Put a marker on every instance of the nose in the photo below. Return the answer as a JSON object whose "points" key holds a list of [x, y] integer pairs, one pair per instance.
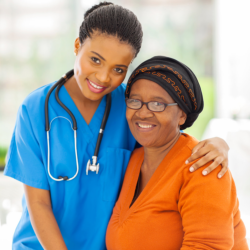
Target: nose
{"points": [[144, 112], [103, 75]]}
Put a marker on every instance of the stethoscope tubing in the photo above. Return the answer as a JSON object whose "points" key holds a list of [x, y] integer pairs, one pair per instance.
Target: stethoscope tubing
{"points": [[104, 121], [77, 162], [64, 107], [58, 86], [62, 80]]}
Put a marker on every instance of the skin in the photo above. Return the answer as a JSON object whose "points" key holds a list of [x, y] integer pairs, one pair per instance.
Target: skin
{"points": [[103, 71], [103, 60], [165, 131], [214, 149]]}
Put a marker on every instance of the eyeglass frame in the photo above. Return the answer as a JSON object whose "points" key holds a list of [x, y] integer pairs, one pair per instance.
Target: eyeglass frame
{"points": [[146, 103]]}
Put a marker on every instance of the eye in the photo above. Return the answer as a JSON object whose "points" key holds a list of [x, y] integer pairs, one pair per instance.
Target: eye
{"points": [[119, 70], [157, 104], [95, 60], [133, 101]]}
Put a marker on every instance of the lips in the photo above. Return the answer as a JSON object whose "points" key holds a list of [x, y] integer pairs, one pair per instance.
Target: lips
{"points": [[94, 87], [144, 127]]}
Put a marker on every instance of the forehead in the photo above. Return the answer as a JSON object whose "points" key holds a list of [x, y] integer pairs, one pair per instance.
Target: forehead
{"points": [[147, 89], [110, 48]]}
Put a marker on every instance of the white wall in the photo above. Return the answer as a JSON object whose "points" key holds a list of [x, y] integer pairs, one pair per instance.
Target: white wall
{"points": [[232, 58]]}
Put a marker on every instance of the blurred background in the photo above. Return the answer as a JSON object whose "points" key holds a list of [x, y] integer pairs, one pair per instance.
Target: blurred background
{"points": [[210, 36]]}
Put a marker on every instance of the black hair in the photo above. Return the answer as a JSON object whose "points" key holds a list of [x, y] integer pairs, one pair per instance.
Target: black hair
{"points": [[115, 20]]}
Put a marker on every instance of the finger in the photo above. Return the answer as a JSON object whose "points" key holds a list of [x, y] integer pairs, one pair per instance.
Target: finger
{"points": [[224, 169], [203, 161], [213, 166], [201, 152], [198, 146]]}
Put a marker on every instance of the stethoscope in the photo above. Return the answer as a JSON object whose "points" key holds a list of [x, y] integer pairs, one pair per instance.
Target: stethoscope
{"points": [[94, 167]]}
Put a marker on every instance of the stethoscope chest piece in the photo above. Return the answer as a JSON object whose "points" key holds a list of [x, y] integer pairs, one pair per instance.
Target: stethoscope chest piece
{"points": [[92, 167]]}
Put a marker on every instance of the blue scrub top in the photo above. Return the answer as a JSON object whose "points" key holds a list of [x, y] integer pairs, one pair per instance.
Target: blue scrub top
{"points": [[83, 206]]}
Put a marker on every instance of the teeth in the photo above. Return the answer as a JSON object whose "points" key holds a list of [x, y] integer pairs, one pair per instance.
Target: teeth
{"points": [[144, 126], [95, 86]]}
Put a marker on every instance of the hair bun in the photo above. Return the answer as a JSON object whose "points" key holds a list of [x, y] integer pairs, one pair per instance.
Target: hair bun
{"points": [[96, 7], [112, 20]]}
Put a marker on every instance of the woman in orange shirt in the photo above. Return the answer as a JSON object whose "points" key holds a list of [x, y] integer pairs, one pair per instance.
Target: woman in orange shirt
{"points": [[161, 204]]}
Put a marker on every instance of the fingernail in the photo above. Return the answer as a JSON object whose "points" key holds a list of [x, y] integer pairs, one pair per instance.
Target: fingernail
{"points": [[186, 161], [219, 176], [191, 169], [204, 172]]}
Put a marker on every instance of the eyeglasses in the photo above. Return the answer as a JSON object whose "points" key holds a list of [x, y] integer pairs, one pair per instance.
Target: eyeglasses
{"points": [[152, 106]]}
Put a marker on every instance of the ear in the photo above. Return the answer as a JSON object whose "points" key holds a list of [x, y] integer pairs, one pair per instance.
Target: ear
{"points": [[183, 118], [77, 45]]}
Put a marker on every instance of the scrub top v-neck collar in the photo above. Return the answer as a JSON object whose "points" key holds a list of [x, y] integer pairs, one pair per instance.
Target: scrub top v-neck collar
{"points": [[91, 130]]}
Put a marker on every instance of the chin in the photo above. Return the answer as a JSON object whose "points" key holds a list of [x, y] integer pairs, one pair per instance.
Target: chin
{"points": [[93, 96], [144, 142]]}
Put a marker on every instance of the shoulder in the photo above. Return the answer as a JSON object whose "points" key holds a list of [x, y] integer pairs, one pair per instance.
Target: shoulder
{"points": [[37, 97], [136, 157], [211, 181], [119, 92], [32, 109], [122, 88], [138, 152], [118, 100], [190, 142], [34, 103], [182, 150]]}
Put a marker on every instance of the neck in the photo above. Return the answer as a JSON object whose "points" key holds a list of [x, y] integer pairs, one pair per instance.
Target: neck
{"points": [[154, 156], [86, 106]]}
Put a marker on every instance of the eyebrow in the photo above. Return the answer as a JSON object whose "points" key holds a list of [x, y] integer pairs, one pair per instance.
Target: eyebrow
{"points": [[98, 55], [119, 65], [152, 98]]}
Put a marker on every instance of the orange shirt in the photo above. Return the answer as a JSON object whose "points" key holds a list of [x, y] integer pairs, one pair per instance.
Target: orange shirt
{"points": [[177, 209]]}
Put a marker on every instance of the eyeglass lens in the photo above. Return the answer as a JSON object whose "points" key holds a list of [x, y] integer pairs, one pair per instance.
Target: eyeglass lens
{"points": [[137, 104]]}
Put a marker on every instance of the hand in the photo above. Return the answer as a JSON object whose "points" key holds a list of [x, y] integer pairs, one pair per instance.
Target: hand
{"points": [[215, 149]]}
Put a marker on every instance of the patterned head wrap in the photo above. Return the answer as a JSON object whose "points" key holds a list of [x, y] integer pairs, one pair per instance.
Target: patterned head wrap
{"points": [[177, 79]]}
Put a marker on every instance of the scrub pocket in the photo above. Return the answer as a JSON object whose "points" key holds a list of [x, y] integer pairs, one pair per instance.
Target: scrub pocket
{"points": [[116, 165]]}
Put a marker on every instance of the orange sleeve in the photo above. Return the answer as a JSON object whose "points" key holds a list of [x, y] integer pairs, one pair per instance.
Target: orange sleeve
{"points": [[207, 206]]}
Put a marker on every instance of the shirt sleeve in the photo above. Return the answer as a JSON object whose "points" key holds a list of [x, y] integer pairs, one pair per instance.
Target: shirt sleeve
{"points": [[24, 159], [207, 206]]}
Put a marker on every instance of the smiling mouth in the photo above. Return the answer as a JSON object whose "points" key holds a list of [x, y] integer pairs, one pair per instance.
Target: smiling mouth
{"points": [[96, 86], [145, 126]]}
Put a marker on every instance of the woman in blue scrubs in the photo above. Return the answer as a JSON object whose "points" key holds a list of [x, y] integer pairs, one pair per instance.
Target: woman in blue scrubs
{"points": [[74, 214]]}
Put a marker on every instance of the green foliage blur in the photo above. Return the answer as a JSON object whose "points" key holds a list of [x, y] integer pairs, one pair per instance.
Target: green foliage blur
{"points": [[3, 152]]}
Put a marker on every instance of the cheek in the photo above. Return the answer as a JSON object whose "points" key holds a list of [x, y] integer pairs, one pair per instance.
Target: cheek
{"points": [[83, 68], [117, 81], [168, 122], [129, 116], [171, 122]]}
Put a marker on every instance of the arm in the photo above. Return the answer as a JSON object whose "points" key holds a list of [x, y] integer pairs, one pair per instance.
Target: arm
{"points": [[42, 218], [215, 149], [207, 207]]}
